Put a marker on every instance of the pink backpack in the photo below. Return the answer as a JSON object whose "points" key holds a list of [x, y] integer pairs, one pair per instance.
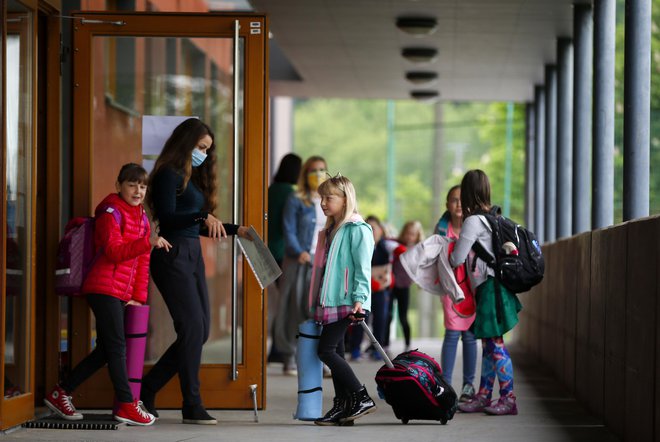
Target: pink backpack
{"points": [[76, 254]]}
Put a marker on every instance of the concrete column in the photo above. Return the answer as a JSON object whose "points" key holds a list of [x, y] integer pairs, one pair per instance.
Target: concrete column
{"points": [[637, 112], [550, 152], [602, 196], [530, 147], [281, 131], [582, 84], [539, 162], [564, 166]]}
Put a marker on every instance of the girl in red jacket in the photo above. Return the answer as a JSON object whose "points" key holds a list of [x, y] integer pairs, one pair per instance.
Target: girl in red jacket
{"points": [[119, 277]]}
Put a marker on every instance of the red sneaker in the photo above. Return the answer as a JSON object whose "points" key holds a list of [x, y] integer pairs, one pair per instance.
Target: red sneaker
{"points": [[133, 414], [60, 403]]}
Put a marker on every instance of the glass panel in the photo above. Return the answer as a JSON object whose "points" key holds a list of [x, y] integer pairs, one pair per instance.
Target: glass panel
{"points": [[170, 77], [19, 197]]}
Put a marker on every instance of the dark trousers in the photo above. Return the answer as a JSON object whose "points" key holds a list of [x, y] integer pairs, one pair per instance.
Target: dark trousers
{"points": [[331, 352], [110, 348], [402, 296], [180, 277]]}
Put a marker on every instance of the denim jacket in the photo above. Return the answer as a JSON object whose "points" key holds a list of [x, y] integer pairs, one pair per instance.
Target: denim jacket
{"points": [[298, 225]]}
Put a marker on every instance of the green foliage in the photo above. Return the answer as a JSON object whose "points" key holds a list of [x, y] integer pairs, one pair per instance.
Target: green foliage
{"points": [[352, 135]]}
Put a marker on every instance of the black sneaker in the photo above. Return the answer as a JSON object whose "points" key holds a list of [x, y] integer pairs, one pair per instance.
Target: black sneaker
{"points": [[196, 414], [148, 399]]}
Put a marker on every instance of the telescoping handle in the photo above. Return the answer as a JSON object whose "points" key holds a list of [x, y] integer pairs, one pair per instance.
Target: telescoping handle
{"points": [[375, 343]]}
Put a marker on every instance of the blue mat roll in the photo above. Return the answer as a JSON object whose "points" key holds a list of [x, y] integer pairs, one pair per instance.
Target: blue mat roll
{"points": [[310, 373]]}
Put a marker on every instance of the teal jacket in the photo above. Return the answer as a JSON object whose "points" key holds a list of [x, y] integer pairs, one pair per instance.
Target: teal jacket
{"points": [[347, 275]]}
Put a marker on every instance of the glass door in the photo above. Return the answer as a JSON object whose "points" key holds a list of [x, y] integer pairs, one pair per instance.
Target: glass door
{"points": [[18, 209], [132, 71]]}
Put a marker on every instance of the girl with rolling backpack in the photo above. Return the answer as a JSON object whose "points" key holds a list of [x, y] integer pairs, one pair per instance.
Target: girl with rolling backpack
{"points": [[340, 290]]}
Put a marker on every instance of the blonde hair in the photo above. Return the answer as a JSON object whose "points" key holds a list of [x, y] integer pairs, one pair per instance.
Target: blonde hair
{"points": [[412, 225], [340, 186], [304, 192]]}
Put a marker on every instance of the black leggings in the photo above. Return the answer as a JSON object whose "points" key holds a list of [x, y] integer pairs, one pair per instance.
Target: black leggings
{"points": [[110, 348], [402, 296], [331, 352]]}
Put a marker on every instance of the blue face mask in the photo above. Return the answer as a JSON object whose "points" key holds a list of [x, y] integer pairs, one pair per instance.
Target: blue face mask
{"points": [[198, 157]]}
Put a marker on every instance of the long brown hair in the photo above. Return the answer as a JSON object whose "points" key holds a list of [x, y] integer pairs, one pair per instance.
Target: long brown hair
{"points": [[304, 192], [475, 193], [177, 154]]}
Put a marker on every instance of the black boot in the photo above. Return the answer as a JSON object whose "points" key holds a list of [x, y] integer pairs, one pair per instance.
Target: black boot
{"points": [[359, 405], [338, 411]]}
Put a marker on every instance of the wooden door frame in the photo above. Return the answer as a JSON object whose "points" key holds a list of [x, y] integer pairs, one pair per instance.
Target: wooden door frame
{"points": [[219, 391], [16, 410]]}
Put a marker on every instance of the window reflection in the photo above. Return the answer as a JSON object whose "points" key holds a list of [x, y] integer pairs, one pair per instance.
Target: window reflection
{"points": [[18, 114], [176, 77]]}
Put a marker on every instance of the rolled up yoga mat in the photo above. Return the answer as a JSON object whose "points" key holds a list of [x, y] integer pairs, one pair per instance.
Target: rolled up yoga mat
{"points": [[136, 323], [310, 373]]}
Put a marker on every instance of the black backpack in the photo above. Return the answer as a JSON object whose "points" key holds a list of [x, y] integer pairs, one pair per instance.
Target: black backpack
{"points": [[518, 266]]}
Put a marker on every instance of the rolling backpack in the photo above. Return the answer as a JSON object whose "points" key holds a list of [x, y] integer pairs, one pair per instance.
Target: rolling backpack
{"points": [[518, 262], [76, 252]]}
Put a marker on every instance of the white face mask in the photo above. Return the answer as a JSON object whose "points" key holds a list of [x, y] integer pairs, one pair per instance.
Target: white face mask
{"points": [[198, 157]]}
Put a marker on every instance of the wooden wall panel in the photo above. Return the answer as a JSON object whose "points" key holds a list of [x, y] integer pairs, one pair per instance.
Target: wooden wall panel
{"points": [[582, 305], [641, 256], [596, 327], [613, 285]]}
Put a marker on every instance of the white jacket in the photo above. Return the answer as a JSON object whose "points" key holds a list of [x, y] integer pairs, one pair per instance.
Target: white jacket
{"points": [[427, 264]]}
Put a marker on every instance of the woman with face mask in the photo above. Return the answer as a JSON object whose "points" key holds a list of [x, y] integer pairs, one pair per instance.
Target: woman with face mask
{"points": [[182, 199], [302, 220]]}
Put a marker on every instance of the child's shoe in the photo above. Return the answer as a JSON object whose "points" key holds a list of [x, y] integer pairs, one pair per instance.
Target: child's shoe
{"points": [[467, 393], [359, 404], [132, 413], [60, 403], [476, 405], [504, 406]]}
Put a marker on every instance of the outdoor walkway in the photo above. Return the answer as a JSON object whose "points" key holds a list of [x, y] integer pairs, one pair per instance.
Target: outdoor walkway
{"points": [[546, 413]]}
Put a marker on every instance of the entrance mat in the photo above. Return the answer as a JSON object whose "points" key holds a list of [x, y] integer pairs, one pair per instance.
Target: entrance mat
{"points": [[88, 422]]}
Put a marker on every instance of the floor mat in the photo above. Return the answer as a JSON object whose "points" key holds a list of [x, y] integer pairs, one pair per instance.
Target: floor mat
{"points": [[88, 422]]}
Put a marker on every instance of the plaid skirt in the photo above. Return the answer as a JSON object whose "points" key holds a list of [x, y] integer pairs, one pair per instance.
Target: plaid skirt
{"points": [[328, 315]]}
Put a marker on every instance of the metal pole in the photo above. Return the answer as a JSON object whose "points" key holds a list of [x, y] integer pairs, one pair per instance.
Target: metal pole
{"points": [[539, 162], [530, 146], [637, 112], [602, 213], [506, 209], [583, 60], [564, 165], [550, 152]]}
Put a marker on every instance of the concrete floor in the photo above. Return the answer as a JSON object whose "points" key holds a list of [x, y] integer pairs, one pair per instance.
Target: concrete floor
{"points": [[546, 413]]}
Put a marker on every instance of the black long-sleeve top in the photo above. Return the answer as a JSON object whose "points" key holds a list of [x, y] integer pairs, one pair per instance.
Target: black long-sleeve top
{"points": [[179, 213]]}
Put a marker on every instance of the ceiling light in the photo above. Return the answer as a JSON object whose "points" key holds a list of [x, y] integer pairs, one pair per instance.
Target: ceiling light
{"points": [[424, 95], [417, 26], [421, 77], [419, 55]]}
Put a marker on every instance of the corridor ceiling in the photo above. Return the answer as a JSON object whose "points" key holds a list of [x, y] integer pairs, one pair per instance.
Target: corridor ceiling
{"points": [[492, 50]]}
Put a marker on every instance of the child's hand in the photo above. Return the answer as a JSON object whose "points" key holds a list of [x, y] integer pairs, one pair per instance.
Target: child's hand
{"points": [[134, 302], [304, 258], [358, 313], [159, 242]]}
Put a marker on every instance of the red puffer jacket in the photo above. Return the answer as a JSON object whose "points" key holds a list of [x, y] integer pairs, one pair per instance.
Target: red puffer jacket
{"points": [[122, 269]]}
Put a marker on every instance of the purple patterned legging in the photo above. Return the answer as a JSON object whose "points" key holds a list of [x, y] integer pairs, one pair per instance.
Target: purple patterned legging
{"points": [[495, 362]]}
